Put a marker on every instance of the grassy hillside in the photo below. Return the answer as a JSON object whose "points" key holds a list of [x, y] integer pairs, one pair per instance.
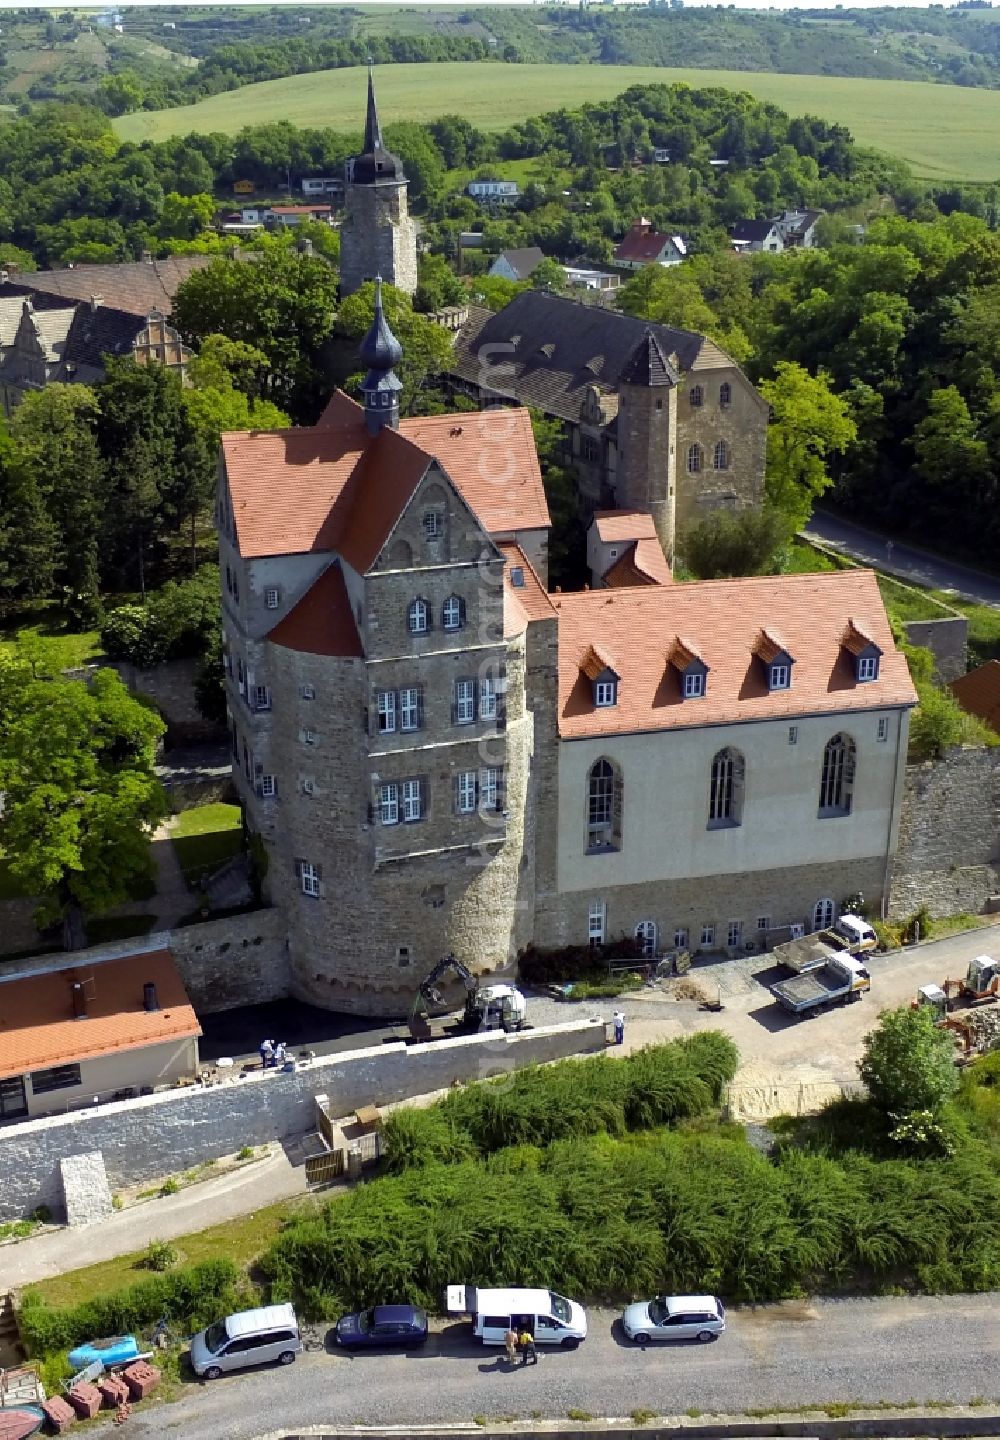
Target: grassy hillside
{"points": [[944, 133]]}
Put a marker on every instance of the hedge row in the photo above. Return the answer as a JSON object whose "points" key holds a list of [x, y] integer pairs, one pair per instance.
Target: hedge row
{"points": [[192, 1297], [574, 1098]]}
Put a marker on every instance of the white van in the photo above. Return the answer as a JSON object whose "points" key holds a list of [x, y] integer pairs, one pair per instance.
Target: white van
{"points": [[251, 1337], [551, 1318]]}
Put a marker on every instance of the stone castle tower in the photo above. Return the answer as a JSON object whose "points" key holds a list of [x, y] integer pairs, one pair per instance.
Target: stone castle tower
{"points": [[378, 236], [647, 438]]}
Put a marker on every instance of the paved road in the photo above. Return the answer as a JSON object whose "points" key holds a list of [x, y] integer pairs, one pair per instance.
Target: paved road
{"points": [[918, 566], [827, 1351]]}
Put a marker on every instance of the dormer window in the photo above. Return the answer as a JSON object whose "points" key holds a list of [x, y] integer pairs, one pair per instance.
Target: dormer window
{"points": [[775, 659], [867, 667], [604, 680], [864, 653], [694, 685], [605, 692], [779, 677], [691, 668]]}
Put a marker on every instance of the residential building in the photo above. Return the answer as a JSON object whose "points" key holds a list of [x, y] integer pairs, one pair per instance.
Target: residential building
{"points": [[697, 424], [323, 185], [136, 287], [440, 756], [517, 264], [109, 1030], [797, 228], [378, 236], [751, 236], [642, 246], [286, 217], [493, 192], [582, 276]]}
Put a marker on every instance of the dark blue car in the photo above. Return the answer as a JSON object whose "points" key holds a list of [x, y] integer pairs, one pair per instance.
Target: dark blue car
{"points": [[383, 1326]]}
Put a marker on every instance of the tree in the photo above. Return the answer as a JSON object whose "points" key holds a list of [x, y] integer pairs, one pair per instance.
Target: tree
{"points": [[568, 537], [548, 274], [729, 543], [437, 284], [426, 346], [28, 539], [809, 422], [80, 792], [908, 1064], [184, 217]]}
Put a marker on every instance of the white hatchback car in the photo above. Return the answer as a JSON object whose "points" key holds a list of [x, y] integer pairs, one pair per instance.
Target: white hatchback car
{"points": [[675, 1317]]}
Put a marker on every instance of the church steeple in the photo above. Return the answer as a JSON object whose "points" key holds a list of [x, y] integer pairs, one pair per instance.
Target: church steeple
{"points": [[380, 352], [373, 130], [375, 165]]}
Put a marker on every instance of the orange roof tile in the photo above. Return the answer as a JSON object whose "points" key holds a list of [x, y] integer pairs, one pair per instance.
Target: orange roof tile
{"points": [[855, 639], [380, 490], [617, 525], [721, 620], [978, 692], [643, 563], [767, 647], [522, 603], [322, 622], [38, 1029], [595, 663]]}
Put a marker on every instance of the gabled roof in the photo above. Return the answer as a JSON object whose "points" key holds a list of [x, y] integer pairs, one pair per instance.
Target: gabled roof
{"points": [[322, 622], [594, 663], [37, 1024], [137, 286], [721, 621], [639, 245], [524, 261], [335, 487], [857, 640], [524, 602], [767, 647], [978, 692], [643, 563], [557, 381], [750, 231], [617, 525]]}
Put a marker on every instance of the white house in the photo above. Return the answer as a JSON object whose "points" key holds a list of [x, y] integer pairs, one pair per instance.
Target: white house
{"points": [[493, 192]]}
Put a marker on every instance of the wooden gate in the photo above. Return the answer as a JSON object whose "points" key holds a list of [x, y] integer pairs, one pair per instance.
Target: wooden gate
{"points": [[325, 1168]]}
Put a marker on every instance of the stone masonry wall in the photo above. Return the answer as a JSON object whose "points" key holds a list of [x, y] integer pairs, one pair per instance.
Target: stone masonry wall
{"points": [[742, 424], [377, 238], [946, 639], [948, 856], [157, 1134]]}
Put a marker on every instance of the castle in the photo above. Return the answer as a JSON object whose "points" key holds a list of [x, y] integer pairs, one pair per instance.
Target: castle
{"points": [[440, 755], [377, 236]]}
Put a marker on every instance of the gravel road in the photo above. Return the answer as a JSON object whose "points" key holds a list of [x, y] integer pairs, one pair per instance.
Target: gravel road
{"points": [[789, 1355]]}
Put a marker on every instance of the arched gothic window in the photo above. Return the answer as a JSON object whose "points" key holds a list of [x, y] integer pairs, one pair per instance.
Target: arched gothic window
{"points": [[604, 806], [836, 785], [725, 799], [822, 914]]}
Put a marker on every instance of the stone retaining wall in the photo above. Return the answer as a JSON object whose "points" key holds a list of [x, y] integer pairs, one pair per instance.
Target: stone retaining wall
{"points": [[948, 857], [145, 1138]]}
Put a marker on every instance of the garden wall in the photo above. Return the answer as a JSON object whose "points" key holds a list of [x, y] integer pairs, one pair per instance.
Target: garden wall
{"points": [[158, 1134], [948, 856]]}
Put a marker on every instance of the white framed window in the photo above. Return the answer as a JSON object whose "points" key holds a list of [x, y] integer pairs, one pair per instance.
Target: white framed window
{"points": [[417, 617], [309, 737], [487, 698], [465, 702], [308, 692], [386, 712], [489, 787], [867, 667], [308, 785], [823, 912], [412, 800], [388, 804], [261, 697], [694, 685], [309, 878], [681, 938], [645, 933], [708, 936], [883, 727], [451, 613], [604, 692], [734, 933], [780, 677], [793, 734], [271, 597], [433, 524], [466, 798], [268, 787], [409, 708], [596, 917], [763, 922]]}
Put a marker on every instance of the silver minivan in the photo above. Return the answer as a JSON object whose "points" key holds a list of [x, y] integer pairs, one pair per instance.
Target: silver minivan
{"points": [[250, 1337]]}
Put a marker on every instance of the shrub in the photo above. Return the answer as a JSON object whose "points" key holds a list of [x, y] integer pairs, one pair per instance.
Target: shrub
{"points": [[908, 1064], [194, 1295], [159, 1256], [742, 542], [575, 962], [414, 1137], [170, 1186], [178, 620], [130, 633]]}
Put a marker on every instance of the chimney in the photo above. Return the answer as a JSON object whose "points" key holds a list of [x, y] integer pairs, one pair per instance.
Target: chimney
{"points": [[79, 1001], [149, 1000], [95, 302]]}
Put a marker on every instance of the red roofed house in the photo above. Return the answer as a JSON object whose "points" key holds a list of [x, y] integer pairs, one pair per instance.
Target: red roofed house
{"points": [[441, 756], [104, 1030], [642, 245]]}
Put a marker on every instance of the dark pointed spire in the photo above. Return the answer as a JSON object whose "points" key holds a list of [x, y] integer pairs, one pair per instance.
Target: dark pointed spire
{"points": [[375, 165], [373, 130], [380, 352], [648, 365]]}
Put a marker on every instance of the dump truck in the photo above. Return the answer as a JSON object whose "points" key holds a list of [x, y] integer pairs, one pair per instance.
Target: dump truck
{"points": [[841, 979], [848, 936]]}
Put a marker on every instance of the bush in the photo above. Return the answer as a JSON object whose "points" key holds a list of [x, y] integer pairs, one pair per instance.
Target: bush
{"points": [[130, 633], [575, 962], [179, 620], [194, 1296], [730, 543], [908, 1063], [159, 1256]]}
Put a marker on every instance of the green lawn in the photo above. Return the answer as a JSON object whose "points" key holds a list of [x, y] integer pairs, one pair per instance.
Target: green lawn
{"points": [[205, 837], [240, 1240], [51, 644], [906, 602], [944, 131]]}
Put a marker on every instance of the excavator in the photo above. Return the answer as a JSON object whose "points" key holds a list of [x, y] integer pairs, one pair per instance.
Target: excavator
{"points": [[486, 1006], [980, 986]]}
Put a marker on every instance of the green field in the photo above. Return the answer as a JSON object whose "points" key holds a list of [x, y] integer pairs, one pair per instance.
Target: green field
{"points": [[944, 131]]}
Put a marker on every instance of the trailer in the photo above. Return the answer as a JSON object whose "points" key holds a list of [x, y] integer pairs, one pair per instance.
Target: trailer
{"points": [[841, 979]]}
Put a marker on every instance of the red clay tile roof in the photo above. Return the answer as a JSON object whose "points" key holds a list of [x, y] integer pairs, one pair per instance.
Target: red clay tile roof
{"points": [[614, 526], [721, 620], [979, 692], [522, 603], [595, 663], [641, 245], [336, 487], [767, 647], [855, 640], [643, 563], [38, 1030], [322, 622]]}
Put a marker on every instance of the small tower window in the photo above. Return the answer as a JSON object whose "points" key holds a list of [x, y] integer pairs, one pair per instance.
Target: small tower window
{"points": [[725, 395], [697, 397]]}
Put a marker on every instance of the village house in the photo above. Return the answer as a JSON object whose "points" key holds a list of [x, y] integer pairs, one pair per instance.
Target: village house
{"points": [[583, 276], [797, 228], [286, 217], [493, 192], [517, 264], [752, 236], [642, 245]]}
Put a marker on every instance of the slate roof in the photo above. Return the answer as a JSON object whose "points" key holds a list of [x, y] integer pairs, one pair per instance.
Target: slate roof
{"points": [[751, 231], [335, 487], [136, 286], [38, 1028], [647, 365], [524, 261], [978, 692], [590, 345], [649, 629], [322, 622]]}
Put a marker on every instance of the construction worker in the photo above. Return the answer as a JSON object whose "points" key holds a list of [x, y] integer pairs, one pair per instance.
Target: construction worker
{"points": [[529, 1355]]}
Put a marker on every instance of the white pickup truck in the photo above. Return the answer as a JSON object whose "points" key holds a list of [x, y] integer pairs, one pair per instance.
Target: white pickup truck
{"points": [[847, 936]]}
